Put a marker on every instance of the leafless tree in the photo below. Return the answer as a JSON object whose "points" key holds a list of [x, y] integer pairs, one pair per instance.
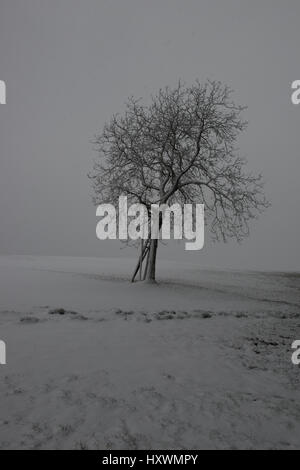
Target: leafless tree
{"points": [[180, 147]]}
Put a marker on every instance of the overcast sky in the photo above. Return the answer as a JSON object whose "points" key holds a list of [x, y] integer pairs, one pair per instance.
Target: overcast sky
{"points": [[70, 64]]}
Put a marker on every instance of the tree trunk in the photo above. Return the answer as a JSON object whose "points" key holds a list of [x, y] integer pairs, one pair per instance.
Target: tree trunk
{"points": [[146, 267], [149, 249], [140, 260], [150, 270], [151, 262]]}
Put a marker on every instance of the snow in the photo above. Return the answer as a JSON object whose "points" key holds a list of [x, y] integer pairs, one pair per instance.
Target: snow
{"points": [[202, 360]]}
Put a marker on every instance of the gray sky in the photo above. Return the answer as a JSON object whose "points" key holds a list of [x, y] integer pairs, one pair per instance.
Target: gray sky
{"points": [[70, 64]]}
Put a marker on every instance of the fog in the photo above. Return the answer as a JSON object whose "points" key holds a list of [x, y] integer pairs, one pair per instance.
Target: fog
{"points": [[70, 64]]}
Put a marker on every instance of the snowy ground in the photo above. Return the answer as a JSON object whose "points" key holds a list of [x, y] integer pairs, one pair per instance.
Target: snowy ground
{"points": [[202, 360]]}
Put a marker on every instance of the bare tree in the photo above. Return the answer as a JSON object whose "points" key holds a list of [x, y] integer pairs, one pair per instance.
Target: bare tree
{"points": [[181, 147]]}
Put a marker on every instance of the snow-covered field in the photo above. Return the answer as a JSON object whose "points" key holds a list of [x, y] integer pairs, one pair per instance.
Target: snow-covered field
{"points": [[201, 360]]}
